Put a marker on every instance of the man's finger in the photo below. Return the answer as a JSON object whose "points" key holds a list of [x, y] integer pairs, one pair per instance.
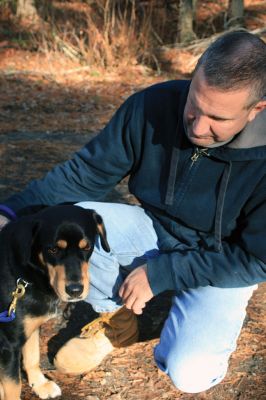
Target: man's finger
{"points": [[129, 301], [121, 290], [137, 311], [124, 290], [138, 307]]}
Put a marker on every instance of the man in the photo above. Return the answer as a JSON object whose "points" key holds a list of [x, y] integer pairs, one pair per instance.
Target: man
{"points": [[196, 155]]}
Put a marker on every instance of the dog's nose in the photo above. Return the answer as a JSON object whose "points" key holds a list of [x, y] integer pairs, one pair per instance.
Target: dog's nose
{"points": [[74, 289]]}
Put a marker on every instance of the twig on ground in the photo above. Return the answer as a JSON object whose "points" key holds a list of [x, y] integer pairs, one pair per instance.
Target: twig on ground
{"points": [[31, 72]]}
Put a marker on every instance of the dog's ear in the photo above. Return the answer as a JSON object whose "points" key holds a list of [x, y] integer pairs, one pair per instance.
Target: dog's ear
{"points": [[22, 236], [101, 231]]}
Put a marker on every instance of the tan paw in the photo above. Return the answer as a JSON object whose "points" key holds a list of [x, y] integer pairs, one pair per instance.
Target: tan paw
{"points": [[47, 390]]}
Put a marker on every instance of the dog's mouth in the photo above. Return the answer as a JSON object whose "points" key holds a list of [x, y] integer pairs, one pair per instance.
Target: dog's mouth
{"points": [[65, 296], [71, 300], [69, 291]]}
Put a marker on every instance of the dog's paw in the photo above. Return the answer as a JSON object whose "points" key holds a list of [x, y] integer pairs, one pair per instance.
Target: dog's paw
{"points": [[47, 390]]}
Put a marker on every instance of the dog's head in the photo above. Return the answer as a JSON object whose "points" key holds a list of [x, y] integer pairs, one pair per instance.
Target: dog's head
{"points": [[59, 241]]}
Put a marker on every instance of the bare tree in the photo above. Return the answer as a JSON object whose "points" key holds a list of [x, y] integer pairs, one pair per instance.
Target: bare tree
{"points": [[235, 13], [185, 21]]}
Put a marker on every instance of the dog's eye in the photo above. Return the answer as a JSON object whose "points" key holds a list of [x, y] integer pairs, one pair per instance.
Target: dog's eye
{"points": [[87, 247], [53, 250]]}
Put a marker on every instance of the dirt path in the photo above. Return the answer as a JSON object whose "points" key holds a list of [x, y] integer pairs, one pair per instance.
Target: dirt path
{"points": [[43, 121]]}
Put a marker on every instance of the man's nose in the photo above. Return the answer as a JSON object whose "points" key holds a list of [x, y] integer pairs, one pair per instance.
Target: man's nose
{"points": [[200, 125]]}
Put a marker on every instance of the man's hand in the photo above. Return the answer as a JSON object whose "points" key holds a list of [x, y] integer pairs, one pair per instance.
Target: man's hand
{"points": [[135, 290], [3, 221]]}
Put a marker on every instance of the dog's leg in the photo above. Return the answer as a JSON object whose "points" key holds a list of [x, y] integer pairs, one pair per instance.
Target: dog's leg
{"points": [[42, 386], [10, 374], [2, 392], [10, 389]]}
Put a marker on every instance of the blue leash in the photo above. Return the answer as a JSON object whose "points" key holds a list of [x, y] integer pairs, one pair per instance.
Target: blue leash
{"points": [[4, 317]]}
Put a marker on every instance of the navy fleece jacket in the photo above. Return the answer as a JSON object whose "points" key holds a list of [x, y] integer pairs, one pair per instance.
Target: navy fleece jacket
{"points": [[209, 211]]}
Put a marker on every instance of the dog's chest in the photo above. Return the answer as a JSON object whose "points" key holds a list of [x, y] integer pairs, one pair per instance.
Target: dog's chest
{"points": [[32, 322]]}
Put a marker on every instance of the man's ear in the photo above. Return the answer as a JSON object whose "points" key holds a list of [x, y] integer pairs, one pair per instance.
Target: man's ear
{"points": [[101, 231], [260, 106], [23, 233]]}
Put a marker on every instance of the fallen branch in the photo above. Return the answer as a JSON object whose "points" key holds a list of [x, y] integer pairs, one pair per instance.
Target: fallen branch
{"points": [[45, 74], [202, 44]]}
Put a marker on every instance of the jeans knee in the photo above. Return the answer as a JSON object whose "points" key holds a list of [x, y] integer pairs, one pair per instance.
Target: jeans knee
{"points": [[194, 374]]}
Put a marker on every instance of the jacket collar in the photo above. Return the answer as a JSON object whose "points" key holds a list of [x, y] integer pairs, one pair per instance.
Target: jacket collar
{"points": [[253, 135], [249, 144]]}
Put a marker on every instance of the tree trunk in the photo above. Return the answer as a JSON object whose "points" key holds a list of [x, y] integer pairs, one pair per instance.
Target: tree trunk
{"points": [[26, 10], [185, 21], [235, 13]]}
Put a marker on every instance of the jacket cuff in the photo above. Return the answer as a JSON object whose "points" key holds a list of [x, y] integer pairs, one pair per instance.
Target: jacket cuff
{"points": [[159, 274], [7, 212]]}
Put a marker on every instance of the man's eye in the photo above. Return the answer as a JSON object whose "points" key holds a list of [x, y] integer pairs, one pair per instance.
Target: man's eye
{"points": [[219, 119], [53, 250]]}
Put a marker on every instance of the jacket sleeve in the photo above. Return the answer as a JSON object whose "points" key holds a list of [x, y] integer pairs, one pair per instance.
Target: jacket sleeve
{"points": [[241, 263], [95, 169]]}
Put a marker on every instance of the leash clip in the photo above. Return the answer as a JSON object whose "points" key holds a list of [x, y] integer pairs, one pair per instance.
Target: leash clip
{"points": [[17, 294], [21, 281]]}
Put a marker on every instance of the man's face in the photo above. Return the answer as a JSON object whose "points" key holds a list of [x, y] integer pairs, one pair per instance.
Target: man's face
{"points": [[213, 116]]}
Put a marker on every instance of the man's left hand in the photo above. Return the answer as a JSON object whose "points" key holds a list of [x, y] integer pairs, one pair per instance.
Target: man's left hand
{"points": [[135, 290]]}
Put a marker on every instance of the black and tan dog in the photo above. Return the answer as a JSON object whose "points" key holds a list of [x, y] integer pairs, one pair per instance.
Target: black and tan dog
{"points": [[43, 260]]}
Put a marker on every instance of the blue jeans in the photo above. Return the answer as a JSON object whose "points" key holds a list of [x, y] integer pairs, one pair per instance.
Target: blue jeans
{"points": [[203, 325]]}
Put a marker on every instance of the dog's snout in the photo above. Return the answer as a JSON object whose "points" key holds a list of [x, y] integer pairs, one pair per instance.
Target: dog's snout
{"points": [[74, 289]]}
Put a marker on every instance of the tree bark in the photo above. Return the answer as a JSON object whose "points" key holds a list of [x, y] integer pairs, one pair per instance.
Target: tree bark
{"points": [[235, 13], [185, 21]]}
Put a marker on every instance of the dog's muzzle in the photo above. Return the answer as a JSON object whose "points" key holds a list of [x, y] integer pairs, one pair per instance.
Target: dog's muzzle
{"points": [[74, 290]]}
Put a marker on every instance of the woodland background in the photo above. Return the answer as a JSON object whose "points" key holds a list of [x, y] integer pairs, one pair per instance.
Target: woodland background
{"points": [[65, 66]]}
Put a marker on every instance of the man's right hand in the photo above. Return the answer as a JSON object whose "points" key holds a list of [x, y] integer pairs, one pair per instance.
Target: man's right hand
{"points": [[3, 221]]}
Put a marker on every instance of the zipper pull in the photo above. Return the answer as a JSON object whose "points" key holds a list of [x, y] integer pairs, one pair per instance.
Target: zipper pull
{"points": [[198, 153], [195, 155]]}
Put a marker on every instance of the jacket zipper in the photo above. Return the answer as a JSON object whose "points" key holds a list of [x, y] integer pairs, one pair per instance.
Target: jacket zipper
{"points": [[199, 153]]}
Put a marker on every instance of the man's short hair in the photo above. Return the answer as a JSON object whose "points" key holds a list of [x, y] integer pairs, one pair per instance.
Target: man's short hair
{"points": [[236, 60]]}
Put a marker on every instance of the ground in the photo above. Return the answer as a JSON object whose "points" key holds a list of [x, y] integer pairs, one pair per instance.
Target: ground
{"points": [[48, 109]]}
